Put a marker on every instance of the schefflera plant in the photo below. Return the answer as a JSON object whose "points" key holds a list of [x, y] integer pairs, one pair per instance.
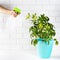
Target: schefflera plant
{"points": [[41, 28]]}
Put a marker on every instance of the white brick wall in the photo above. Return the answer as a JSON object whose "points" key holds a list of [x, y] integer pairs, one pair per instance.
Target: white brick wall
{"points": [[14, 32]]}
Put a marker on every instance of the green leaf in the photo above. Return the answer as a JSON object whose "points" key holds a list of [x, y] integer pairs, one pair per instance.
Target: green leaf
{"points": [[34, 42], [40, 25], [56, 42], [32, 28], [28, 16], [55, 39], [34, 17]]}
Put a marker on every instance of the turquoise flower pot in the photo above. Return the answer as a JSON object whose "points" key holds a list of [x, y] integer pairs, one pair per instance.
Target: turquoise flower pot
{"points": [[44, 49]]}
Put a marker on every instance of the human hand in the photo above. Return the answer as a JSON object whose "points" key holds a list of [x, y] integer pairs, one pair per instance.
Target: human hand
{"points": [[14, 14]]}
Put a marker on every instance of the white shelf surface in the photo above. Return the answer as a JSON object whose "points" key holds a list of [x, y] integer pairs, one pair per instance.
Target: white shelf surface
{"points": [[22, 55]]}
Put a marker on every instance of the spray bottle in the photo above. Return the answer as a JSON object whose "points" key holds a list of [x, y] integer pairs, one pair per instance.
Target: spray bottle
{"points": [[17, 10]]}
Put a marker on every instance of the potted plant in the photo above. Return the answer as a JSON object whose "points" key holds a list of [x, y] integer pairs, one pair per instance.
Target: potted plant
{"points": [[42, 34]]}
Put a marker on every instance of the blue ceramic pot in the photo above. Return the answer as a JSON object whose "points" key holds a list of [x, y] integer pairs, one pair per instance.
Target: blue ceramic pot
{"points": [[44, 49]]}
